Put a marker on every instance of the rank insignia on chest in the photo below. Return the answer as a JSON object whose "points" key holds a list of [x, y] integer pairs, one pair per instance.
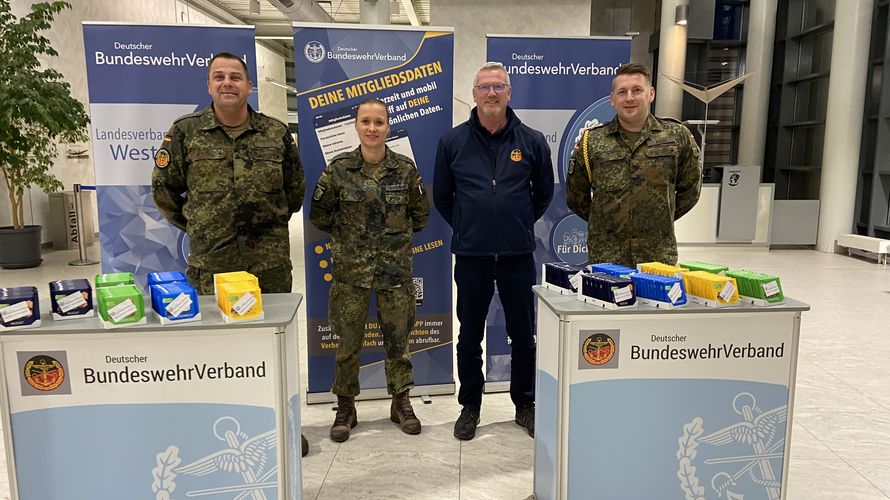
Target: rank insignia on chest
{"points": [[162, 158], [516, 155]]}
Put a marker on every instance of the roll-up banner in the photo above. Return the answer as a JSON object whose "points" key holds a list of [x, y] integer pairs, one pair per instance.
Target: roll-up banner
{"points": [[141, 78], [411, 70], [560, 87]]}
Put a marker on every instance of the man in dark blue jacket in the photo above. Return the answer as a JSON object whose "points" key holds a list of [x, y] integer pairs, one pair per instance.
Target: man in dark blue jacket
{"points": [[493, 180]]}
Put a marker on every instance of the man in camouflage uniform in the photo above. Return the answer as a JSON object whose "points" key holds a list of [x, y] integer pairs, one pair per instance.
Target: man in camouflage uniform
{"points": [[231, 178], [371, 210], [632, 177]]}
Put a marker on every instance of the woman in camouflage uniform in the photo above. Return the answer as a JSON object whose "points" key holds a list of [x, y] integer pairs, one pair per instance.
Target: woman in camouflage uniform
{"points": [[371, 200]]}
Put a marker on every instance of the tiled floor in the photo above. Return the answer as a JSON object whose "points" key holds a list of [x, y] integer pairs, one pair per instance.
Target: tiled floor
{"points": [[841, 434]]}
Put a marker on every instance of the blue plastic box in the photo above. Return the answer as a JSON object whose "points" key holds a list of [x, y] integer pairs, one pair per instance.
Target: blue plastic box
{"points": [[175, 303]]}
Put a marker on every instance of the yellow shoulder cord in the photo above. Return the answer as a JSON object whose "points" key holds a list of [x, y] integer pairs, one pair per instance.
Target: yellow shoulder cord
{"points": [[586, 156]]}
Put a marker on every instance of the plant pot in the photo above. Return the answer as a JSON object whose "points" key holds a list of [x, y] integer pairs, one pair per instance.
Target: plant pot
{"points": [[20, 248]]}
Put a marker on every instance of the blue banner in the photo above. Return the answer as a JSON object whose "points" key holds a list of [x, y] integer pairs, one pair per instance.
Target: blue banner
{"points": [[141, 78], [560, 87], [411, 71]]}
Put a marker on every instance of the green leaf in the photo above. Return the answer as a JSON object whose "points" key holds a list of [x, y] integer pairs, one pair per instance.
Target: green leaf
{"points": [[36, 107]]}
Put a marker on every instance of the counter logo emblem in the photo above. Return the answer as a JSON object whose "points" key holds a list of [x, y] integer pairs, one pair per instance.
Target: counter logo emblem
{"points": [[44, 373], [598, 349]]}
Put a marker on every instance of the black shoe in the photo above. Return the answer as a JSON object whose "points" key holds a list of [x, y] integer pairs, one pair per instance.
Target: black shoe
{"points": [[465, 427], [525, 417], [304, 445]]}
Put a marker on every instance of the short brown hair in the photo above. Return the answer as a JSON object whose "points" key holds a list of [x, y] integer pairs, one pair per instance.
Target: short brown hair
{"points": [[634, 69], [229, 55]]}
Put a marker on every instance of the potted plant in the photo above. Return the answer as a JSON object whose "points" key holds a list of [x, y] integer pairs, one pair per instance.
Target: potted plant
{"points": [[36, 112]]}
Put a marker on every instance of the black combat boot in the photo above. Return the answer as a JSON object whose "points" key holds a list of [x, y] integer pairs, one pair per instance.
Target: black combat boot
{"points": [[345, 419], [402, 413]]}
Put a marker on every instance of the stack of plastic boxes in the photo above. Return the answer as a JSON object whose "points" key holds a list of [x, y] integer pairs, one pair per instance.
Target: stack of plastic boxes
{"points": [[19, 308], [612, 269], [607, 291], [120, 302], [758, 289], [713, 290], [71, 299], [173, 300], [238, 296], [703, 266], [561, 277], [664, 292]]}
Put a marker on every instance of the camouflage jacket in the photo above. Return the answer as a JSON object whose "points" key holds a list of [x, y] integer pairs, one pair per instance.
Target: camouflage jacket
{"points": [[232, 197], [631, 195], [370, 213]]}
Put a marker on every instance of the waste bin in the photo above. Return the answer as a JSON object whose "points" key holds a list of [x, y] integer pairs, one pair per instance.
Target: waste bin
{"points": [[63, 220]]}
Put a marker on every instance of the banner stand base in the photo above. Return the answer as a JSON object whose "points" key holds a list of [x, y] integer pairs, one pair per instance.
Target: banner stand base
{"points": [[499, 386], [380, 393]]}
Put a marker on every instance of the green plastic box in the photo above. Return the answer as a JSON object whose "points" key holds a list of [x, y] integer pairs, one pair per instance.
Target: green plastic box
{"points": [[704, 266], [113, 307], [758, 286], [114, 279]]}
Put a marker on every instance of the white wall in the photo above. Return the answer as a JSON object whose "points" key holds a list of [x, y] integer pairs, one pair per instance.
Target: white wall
{"points": [[273, 99], [472, 20], [66, 36]]}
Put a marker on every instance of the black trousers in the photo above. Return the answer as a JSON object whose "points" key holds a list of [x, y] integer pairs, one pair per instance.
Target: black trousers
{"points": [[476, 279]]}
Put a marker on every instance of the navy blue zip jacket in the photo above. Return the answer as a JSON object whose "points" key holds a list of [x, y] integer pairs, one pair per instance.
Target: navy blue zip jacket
{"points": [[491, 188]]}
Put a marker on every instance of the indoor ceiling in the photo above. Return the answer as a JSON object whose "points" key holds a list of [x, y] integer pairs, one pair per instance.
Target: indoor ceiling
{"points": [[342, 11]]}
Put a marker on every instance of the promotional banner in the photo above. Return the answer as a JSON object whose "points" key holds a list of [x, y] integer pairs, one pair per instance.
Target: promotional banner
{"points": [[411, 71], [149, 414], [560, 86], [141, 78]]}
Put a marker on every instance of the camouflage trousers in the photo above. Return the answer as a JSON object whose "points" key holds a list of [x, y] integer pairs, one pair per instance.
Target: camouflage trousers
{"points": [[274, 280], [347, 312]]}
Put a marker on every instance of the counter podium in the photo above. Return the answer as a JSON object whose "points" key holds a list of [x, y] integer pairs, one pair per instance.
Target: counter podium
{"points": [[691, 403], [192, 410]]}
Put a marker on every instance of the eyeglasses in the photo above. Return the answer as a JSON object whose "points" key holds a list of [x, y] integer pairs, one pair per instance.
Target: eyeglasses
{"points": [[498, 88]]}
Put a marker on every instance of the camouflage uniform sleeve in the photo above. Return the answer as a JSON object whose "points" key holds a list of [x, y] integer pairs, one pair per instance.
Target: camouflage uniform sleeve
{"points": [[324, 202], [168, 180], [294, 179], [419, 203], [577, 183], [688, 176]]}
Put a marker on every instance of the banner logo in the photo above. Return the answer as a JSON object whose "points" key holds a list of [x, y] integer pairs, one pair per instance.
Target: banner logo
{"points": [[568, 239], [314, 52], [44, 373]]}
